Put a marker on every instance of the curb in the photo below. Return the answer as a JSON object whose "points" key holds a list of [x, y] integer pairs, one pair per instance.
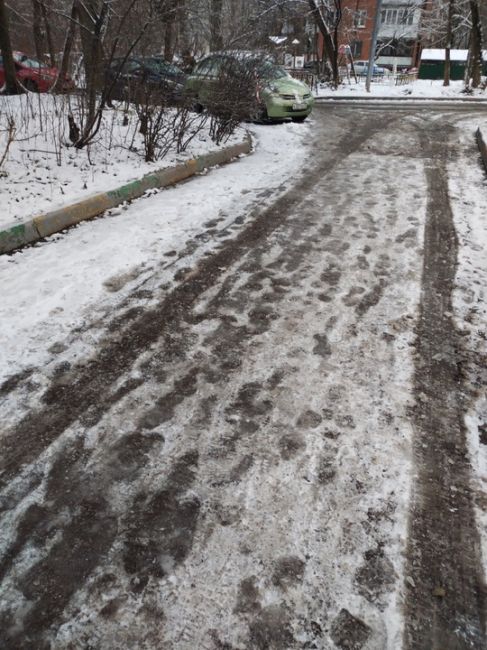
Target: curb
{"points": [[482, 147], [412, 100], [19, 235]]}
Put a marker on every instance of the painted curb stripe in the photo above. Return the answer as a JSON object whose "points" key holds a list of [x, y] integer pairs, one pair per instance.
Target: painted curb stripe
{"points": [[18, 235]]}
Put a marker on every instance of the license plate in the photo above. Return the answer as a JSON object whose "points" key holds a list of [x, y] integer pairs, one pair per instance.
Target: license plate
{"points": [[299, 107]]}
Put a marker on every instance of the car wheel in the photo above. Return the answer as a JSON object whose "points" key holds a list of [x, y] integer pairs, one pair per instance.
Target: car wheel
{"points": [[30, 86], [301, 118]]}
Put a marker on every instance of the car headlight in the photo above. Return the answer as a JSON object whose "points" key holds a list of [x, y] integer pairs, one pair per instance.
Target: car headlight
{"points": [[274, 90]]}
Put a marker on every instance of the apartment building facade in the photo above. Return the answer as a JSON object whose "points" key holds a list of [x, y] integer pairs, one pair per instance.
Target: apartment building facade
{"points": [[398, 39]]}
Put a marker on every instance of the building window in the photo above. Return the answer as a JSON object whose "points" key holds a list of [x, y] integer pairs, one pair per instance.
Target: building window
{"points": [[397, 16], [356, 49], [395, 47], [360, 18]]}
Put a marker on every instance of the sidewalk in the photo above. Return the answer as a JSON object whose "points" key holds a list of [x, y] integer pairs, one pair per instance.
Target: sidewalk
{"points": [[17, 235]]}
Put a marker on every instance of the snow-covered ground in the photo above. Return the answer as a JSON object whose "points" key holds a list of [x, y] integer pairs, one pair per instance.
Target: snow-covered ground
{"points": [[316, 525], [315, 324], [49, 290], [468, 188], [421, 88], [42, 171]]}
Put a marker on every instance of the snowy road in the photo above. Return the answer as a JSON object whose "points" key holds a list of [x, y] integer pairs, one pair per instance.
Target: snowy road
{"points": [[263, 427]]}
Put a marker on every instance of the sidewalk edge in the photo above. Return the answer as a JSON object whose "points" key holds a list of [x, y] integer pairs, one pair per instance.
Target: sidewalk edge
{"points": [[482, 146], [15, 236]]}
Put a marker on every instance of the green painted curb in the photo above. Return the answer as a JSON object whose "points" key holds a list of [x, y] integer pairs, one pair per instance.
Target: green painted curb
{"points": [[18, 235]]}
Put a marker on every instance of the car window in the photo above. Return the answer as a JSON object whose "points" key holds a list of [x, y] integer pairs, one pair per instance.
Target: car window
{"points": [[131, 66], [163, 67], [29, 63], [208, 68]]}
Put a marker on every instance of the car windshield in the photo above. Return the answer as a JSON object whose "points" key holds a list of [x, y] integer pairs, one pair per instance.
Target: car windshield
{"points": [[158, 65], [28, 63], [268, 70]]}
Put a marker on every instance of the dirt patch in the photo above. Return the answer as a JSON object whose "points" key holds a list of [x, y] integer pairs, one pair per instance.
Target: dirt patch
{"points": [[271, 630], [288, 570], [290, 445], [349, 632], [322, 346], [168, 520], [375, 577], [309, 420], [248, 599]]}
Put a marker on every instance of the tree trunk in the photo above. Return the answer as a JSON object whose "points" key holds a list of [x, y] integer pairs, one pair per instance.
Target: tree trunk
{"points": [[475, 51], [449, 33], [68, 45], [37, 29], [12, 87], [47, 28], [169, 39], [92, 16], [184, 39], [329, 46], [216, 33]]}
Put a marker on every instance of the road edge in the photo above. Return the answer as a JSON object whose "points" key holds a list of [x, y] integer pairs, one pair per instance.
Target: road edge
{"points": [[18, 235], [409, 99], [482, 146]]}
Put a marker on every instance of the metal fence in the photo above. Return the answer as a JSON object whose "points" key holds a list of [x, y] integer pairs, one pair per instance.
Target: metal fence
{"points": [[390, 79]]}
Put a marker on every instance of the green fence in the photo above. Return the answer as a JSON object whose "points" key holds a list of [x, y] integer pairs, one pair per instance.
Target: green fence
{"points": [[436, 69]]}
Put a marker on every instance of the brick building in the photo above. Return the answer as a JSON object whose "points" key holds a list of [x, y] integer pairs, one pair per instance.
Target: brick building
{"points": [[356, 26], [398, 39]]}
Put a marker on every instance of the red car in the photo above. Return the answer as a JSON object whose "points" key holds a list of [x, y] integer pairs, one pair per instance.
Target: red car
{"points": [[34, 75]]}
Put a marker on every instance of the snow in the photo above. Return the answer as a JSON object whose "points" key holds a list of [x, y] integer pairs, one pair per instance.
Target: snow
{"points": [[468, 189], [386, 88], [439, 55], [42, 172], [51, 288], [365, 435], [61, 294]]}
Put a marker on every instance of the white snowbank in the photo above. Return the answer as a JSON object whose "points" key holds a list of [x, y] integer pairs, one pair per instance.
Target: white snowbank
{"points": [[386, 88]]}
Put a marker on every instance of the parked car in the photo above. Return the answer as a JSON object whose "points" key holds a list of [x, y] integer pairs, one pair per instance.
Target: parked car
{"points": [[269, 92], [141, 77], [362, 68], [33, 75]]}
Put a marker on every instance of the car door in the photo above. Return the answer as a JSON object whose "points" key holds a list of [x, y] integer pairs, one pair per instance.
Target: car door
{"points": [[203, 78]]}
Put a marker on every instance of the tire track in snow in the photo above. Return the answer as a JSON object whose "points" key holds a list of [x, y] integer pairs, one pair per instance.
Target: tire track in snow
{"points": [[446, 598]]}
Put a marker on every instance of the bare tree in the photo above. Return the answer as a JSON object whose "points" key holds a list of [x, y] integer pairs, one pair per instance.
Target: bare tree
{"points": [[474, 63], [448, 44], [68, 44], [330, 35], [11, 84], [216, 38]]}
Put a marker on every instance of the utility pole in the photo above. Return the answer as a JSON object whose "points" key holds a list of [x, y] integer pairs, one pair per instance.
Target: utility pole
{"points": [[373, 45]]}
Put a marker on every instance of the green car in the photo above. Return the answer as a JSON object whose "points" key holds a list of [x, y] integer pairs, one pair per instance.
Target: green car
{"points": [[250, 83]]}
